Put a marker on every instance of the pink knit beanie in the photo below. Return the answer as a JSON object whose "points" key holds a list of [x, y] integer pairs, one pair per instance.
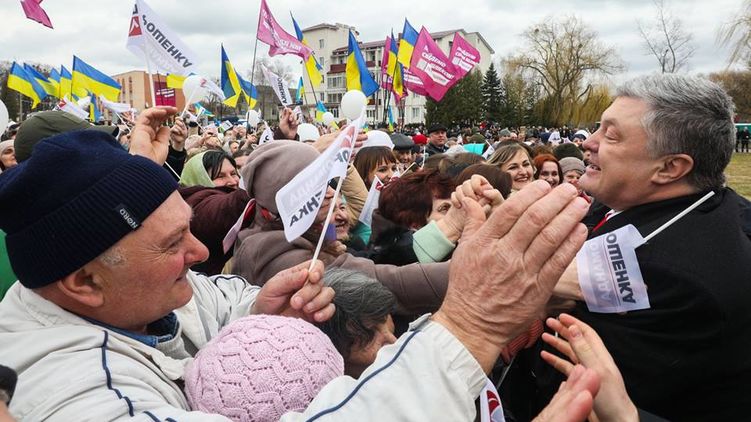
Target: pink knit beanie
{"points": [[261, 367]]}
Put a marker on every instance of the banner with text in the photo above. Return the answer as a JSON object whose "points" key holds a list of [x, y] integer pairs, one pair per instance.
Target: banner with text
{"points": [[300, 199], [151, 39], [609, 273], [463, 55], [432, 66], [280, 42]]}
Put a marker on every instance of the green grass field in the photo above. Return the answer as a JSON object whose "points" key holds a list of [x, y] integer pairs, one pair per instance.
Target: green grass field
{"points": [[739, 174]]}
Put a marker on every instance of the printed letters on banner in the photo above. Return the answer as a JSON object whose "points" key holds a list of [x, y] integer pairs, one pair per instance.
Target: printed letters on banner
{"points": [[150, 36], [300, 199], [609, 273]]}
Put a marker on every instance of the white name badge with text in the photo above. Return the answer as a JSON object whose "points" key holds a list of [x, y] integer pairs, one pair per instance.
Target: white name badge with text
{"points": [[609, 273]]}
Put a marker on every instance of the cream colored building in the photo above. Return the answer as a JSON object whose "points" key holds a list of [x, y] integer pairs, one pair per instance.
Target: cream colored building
{"points": [[329, 42]]}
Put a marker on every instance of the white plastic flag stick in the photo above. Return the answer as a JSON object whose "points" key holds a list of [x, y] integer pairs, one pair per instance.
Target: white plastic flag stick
{"points": [[332, 205], [678, 217], [151, 78], [187, 104]]}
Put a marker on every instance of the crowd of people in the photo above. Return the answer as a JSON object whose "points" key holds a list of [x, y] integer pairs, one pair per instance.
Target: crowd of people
{"points": [[155, 281]]}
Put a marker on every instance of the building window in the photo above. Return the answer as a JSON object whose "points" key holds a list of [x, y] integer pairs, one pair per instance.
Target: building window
{"points": [[416, 112], [336, 81], [335, 111], [335, 98], [371, 56], [371, 114], [320, 61], [321, 43]]}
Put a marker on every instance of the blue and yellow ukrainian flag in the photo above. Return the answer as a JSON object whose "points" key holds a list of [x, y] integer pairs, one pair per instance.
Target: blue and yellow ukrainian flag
{"points": [[229, 81], [86, 77], [358, 76], [55, 80], [395, 69], [300, 92], [320, 110], [312, 66], [66, 82], [407, 44], [94, 114], [201, 110], [251, 94], [22, 82], [42, 80], [391, 120]]}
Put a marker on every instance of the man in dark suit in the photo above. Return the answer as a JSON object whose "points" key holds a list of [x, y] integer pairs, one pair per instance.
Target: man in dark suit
{"points": [[663, 144]]}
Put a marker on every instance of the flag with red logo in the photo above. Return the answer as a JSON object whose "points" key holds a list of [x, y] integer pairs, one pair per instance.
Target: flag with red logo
{"points": [[151, 39], [300, 199]]}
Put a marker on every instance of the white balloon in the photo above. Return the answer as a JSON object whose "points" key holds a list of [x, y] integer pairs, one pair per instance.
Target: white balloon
{"points": [[352, 104], [253, 118], [194, 89], [308, 132], [3, 117], [328, 118]]}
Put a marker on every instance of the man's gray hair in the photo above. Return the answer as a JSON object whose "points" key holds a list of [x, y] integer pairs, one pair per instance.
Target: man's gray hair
{"points": [[687, 115]]}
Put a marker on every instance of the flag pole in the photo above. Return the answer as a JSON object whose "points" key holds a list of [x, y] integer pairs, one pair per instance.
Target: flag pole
{"points": [[151, 78]]}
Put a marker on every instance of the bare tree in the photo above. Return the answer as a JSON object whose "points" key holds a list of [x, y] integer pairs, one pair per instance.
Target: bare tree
{"points": [[276, 67], [566, 56], [737, 34], [666, 39]]}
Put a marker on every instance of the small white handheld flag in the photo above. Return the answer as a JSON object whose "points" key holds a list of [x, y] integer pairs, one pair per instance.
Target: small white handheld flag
{"points": [[609, 273], [300, 199], [150, 38], [279, 86]]}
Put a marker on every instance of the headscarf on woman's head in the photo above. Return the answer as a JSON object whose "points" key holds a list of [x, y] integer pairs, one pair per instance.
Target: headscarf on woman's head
{"points": [[194, 173]]}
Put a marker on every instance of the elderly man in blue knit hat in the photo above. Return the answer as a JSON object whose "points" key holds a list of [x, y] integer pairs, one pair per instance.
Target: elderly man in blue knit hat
{"points": [[107, 313]]}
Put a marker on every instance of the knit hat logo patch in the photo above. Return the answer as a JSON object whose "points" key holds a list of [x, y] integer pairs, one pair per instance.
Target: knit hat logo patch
{"points": [[127, 216]]}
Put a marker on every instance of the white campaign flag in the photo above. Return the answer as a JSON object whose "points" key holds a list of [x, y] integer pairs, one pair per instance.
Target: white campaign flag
{"points": [[279, 86], [71, 107], [609, 273], [490, 404], [113, 106], [300, 199], [371, 204], [267, 135], [151, 39], [488, 152]]}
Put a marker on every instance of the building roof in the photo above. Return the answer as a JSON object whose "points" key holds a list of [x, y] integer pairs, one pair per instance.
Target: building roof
{"points": [[320, 26]]}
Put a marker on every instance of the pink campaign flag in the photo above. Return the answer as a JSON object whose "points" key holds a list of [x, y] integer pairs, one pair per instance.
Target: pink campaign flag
{"points": [[432, 66], [413, 83], [270, 32], [463, 55], [35, 12], [385, 80]]}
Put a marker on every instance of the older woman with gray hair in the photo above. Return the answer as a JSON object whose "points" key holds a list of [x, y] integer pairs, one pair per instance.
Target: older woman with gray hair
{"points": [[362, 322]]}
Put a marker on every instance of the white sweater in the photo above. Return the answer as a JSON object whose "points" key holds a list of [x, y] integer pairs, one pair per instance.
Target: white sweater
{"points": [[70, 369]]}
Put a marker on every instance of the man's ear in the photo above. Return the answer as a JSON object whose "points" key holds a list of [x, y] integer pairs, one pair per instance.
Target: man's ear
{"points": [[673, 168], [82, 287]]}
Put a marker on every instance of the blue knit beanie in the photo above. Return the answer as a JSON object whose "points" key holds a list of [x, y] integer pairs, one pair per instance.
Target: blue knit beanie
{"points": [[78, 195]]}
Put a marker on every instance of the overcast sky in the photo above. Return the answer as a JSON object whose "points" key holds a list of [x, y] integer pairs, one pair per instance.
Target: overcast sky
{"points": [[96, 30]]}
